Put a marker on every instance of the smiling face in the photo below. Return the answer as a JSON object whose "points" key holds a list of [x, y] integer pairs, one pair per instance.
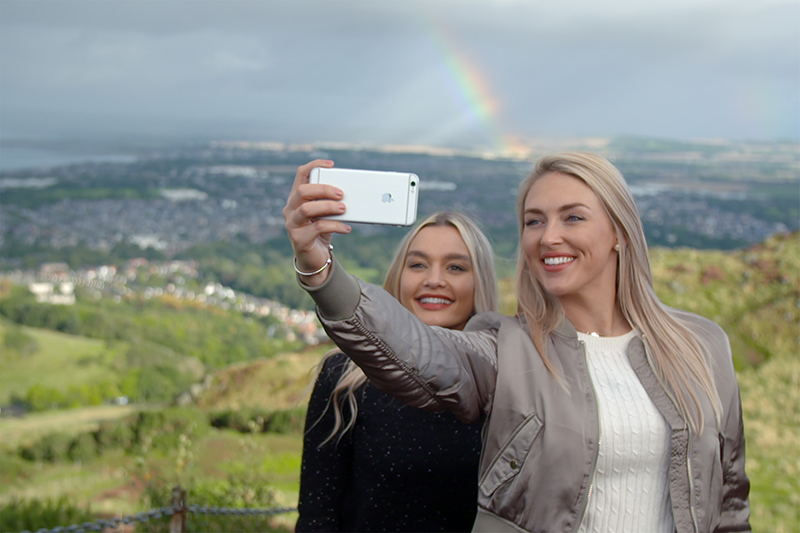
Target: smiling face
{"points": [[438, 281], [568, 239]]}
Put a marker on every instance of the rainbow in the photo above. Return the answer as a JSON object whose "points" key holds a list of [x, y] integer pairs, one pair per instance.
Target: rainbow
{"points": [[471, 88]]}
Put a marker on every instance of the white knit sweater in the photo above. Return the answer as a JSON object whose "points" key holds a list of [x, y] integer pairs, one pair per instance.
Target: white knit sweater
{"points": [[630, 490]]}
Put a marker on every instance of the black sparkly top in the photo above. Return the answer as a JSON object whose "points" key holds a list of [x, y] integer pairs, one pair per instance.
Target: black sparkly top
{"points": [[398, 469]]}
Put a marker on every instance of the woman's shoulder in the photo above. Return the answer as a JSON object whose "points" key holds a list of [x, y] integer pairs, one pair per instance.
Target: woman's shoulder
{"points": [[708, 329], [333, 365], [712, 334], [493, 320]]}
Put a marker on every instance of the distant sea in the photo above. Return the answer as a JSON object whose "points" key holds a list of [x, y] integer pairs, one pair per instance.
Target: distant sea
{"points": [[14, 158]]}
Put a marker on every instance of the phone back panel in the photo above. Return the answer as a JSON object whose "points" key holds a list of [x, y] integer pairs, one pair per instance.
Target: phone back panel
{"points": [[373, 197]]}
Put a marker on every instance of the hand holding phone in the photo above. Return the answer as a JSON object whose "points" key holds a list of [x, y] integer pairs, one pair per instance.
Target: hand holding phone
{"points": [[371, 196]]}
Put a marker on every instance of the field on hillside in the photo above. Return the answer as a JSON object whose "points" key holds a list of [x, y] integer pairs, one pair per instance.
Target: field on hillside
{"points": [[59, 358], [754, 294], [18, 431], [113, 482]]}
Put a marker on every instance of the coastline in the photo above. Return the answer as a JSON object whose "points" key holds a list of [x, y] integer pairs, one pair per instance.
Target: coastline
{"points": [[13, 158]]}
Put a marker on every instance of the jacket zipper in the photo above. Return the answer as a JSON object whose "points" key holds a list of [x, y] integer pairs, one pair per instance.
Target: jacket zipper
{"points": [[689, 429], [599, 438], [691, 482]]}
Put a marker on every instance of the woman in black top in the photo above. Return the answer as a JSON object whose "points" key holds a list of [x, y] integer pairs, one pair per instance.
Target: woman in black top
{"points": [[371, 463]]}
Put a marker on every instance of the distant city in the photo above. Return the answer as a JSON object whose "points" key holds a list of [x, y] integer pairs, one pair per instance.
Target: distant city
{"points": [[705, 194]]}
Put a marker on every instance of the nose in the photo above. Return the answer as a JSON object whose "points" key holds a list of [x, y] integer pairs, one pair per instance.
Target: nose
{"points": [[551, 234], [435, 278]]}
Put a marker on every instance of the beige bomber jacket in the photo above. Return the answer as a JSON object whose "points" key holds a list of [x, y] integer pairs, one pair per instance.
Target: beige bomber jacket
{"points": [[540, 442]]}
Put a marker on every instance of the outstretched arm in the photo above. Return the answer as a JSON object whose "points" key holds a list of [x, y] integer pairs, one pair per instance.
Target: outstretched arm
{"points": [[424, 366], [309, 234]]}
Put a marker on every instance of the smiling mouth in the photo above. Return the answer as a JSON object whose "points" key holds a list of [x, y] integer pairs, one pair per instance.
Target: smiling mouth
{"points": [[435, 301], [552, 261]]}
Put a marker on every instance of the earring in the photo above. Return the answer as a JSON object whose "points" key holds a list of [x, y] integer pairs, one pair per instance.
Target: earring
{"points": [[616, 247]]}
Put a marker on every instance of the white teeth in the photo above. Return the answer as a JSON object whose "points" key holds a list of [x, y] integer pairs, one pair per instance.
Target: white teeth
{"points": [[558, 260], [435, 301]]}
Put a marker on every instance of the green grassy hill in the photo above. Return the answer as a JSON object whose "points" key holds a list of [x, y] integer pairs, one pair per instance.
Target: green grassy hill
{"points": [[754, 294], [281, 382]]}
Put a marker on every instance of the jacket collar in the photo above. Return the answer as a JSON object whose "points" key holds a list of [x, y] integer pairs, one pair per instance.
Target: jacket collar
{"points": [[566, 329]]}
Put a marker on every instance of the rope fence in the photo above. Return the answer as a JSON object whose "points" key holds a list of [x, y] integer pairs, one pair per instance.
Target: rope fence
{"points": [[178, 512]]}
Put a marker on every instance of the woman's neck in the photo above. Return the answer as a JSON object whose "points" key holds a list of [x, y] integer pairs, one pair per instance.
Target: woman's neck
{"points": [[603, 319]]}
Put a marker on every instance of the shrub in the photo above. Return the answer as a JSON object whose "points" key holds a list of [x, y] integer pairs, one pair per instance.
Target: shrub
{"points": [[113, 435], [16, 341], [286, 421], [14, 468], [244, 490], [31, 515], [82, 448], [51, 448], [161, 430], [21, 307], [138, 433], [42, 398], [238, 420], [261, 420]]}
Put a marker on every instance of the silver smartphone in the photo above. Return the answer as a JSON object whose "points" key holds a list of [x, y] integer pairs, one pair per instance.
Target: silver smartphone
{"points": [[372, 196]]}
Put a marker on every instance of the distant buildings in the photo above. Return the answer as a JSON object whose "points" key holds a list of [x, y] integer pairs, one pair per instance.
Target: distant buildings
{"points": [[60, 294], [55, 283]]}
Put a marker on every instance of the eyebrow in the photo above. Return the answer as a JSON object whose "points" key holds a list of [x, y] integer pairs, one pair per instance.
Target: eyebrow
{"points": [[563, 208], [423, 255]]}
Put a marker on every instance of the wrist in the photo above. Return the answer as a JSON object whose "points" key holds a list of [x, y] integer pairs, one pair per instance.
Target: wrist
{"points": [[320, 270]]}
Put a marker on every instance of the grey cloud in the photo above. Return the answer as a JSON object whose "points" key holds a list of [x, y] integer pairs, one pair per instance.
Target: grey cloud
{"points": [[382, 70]]}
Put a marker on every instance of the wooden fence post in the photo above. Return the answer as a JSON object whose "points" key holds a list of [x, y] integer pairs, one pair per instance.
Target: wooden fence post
{"points": [[177, 523]]}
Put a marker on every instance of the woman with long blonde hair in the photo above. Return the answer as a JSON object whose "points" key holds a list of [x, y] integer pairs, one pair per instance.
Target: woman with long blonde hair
{"points": [[361, 445], [605, 410]]}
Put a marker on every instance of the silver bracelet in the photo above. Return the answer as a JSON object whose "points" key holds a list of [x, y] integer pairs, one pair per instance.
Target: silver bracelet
{"points": [[323, 267]]}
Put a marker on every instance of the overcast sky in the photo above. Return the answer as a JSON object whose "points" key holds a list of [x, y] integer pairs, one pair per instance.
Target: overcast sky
{"points": [[450, 73]]}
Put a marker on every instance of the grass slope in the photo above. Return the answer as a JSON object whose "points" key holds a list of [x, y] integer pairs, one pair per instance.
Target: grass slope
{"points": [[24, 430], [280, 382], [754, 294], [59, 361], [771, 412]]}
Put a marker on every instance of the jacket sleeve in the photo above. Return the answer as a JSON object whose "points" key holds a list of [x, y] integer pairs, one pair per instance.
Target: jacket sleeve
{"points": [[736, 486], [424, 366], [325, 469]]}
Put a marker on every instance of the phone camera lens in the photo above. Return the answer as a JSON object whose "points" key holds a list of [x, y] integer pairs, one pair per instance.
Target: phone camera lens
{"points": [[413, 183]]}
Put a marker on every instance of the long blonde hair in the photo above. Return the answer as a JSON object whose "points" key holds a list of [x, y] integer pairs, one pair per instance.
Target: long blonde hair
{"points": [[486, 299], [680, 357]]}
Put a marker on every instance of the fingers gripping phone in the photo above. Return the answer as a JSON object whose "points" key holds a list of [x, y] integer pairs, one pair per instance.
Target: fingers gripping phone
{"points": [[371, 196]]}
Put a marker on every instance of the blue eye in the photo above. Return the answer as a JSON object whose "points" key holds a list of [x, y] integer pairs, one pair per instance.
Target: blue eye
{"points": [[532, 222], [574, 218]]}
